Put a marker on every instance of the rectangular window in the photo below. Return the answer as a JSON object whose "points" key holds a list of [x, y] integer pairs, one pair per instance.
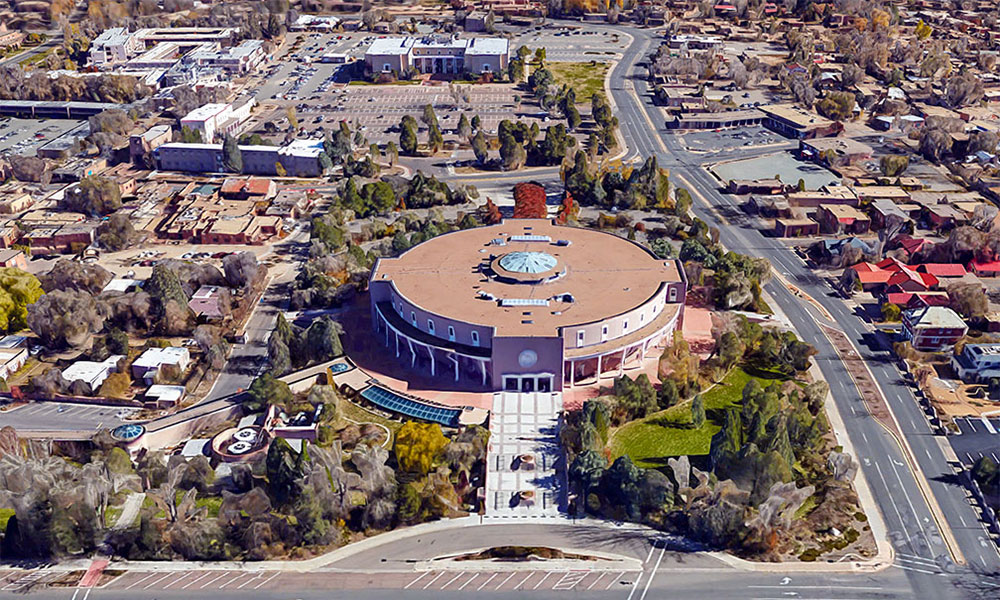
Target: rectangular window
{"points": [[579, 338], [451, 333], [430, 326], [413, 318], [475, 338], [642, 318], [673, 294], [625, 326], [604, 333]]}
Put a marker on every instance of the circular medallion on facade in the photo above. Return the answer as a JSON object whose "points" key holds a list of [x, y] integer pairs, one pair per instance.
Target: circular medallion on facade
{"points": [[527, 358]]}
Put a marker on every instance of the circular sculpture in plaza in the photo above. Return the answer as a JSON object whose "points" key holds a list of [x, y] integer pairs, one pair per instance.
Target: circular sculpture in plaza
{"points": [[127, 433], [525, 305]]}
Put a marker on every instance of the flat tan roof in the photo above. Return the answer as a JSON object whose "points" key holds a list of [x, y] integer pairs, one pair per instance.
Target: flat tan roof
{"points": [[606, 275]]}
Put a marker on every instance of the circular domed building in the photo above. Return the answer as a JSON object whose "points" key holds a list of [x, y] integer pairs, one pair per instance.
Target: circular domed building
{"points": [[525, 305]]}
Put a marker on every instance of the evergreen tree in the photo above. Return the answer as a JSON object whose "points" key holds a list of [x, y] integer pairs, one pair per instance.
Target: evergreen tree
{"points": [[697, 412], [232, 156], [480, 147]]}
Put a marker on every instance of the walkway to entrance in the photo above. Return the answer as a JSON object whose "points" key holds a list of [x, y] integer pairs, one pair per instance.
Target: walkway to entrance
{"points": [[525, 468]]}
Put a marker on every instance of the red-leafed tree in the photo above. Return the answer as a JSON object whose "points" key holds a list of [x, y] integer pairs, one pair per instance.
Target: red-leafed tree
{"points": [[529, 201], [569, 210], [491, 213]]}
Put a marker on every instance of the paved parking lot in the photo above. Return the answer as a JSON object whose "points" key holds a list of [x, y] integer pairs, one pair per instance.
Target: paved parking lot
{"points": [[717, 141], [200, 582], [63, 416], [979, 437], [24, 136], [573, 45], [194, 581]]}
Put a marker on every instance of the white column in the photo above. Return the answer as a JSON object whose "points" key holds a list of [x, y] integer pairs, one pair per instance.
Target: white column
{"points": [[598, 368], [455, 358], [386, 331], [397, 343], [430, 352], [482, 367], [413, 355], [621, 365], [572, 373]]}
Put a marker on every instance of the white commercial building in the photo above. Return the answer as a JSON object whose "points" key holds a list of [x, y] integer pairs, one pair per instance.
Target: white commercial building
{"points": [[91, 373], [977, 362], [150, 362], [217, 120], [115, 45]]}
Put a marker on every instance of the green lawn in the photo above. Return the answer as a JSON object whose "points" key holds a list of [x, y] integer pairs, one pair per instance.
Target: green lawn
{"points": [[585, 78], [357, 413], [651, 441], [5, 515]]}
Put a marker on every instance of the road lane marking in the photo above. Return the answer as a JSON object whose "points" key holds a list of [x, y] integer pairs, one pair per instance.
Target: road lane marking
{"points": [[635, 585], [259, 585], [542, 580], [487, 581], [813, 587], [902, 524], [421, 576], [452, 580], [509, 577], [659, 559], [650, 555], [429, 583], [135, 583], [988, 425], [185, 586], [462, 587]]}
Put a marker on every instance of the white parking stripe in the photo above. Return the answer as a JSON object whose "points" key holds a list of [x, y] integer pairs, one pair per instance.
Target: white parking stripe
{"points": [[523, 581], [452, 580], [185, 586], [988, 425], [543, 579], [232, 580], [249, 581], [599, 577], [509, 577], [178, 580], [487, 581], [210, 582], [614, 579], [261, 584], [138, 582], [433, 580], [164, 578], [462, 587]]}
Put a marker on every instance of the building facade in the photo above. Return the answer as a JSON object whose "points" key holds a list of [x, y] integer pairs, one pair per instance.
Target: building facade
{"points": [[977, 362], [525, 305], [933, 329], [438, 55]]}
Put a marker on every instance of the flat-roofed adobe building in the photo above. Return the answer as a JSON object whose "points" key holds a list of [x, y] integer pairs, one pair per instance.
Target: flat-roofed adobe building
{"points": [[525, 305], [438, 54]]}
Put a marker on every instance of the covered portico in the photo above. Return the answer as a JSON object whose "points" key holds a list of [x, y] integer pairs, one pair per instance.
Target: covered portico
{"points": [[398, 335], [586, 365]]}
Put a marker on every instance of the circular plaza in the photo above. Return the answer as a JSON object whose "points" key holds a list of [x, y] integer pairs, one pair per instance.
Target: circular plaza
{"points": [[525, 305]]}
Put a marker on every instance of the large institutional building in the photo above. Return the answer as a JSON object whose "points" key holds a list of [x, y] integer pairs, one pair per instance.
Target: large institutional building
{"points": [[525, 305], [438, 54]]}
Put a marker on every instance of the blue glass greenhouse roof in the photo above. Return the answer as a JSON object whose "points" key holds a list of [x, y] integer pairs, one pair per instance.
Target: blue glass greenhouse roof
{"points": [[393, 402]]}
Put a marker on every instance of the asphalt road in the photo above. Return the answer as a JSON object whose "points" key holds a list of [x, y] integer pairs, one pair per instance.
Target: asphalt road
{"points": [[915, 536], [247, 359]]}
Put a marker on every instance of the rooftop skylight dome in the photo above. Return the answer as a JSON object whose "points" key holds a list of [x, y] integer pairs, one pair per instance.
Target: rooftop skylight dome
{"points": [[528, 262]]}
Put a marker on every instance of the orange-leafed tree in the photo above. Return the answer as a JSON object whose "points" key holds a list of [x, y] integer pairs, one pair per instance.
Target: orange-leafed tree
{"points": [[529, 201], [491, 213], [569, 210]]}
